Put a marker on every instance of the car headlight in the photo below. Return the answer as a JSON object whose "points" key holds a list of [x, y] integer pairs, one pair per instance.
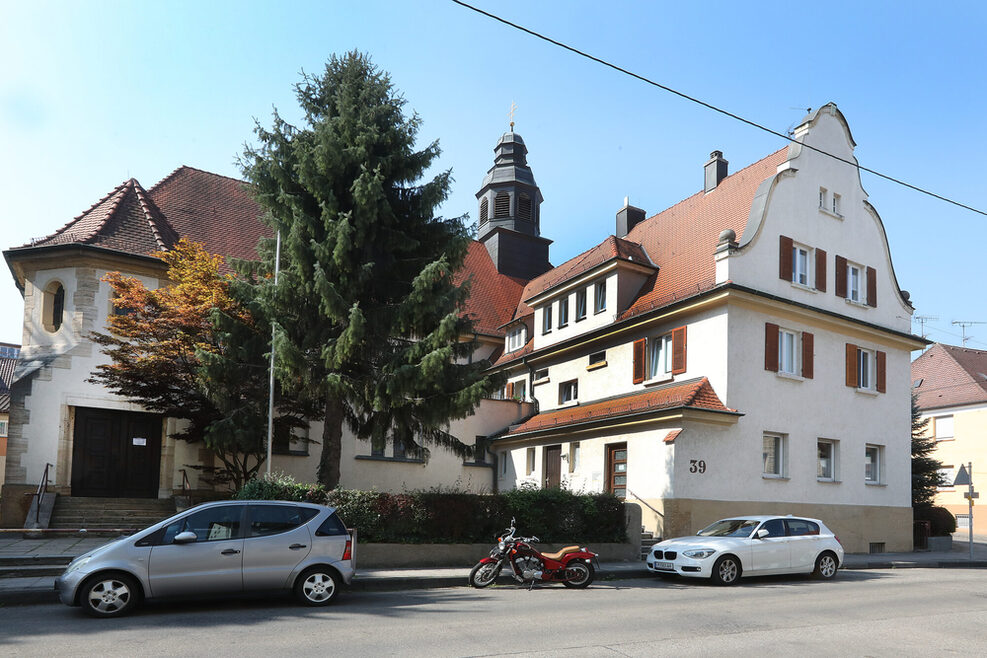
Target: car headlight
{"points": [[699, 553], [78, 563]]}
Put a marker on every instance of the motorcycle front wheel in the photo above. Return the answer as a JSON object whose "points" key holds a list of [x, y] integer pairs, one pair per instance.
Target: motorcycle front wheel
{"points": [[484, 574], [578, 575]]}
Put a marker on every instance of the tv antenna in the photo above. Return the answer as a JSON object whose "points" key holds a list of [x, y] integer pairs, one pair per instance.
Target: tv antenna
{"points": [[963, 325], [922, 319]]}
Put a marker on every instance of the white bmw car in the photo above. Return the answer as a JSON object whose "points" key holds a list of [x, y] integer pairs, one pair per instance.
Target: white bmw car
{"points": [[751, 546]]}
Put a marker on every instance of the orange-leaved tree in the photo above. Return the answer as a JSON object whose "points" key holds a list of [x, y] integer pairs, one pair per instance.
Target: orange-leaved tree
{"points": [[194, 351]]}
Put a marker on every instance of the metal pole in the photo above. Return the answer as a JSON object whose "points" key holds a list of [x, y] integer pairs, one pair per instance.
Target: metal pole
{"points": [[270, 393], [969, 467]]}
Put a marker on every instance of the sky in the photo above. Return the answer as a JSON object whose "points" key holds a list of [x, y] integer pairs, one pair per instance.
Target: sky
{"points": [[94, 93]]}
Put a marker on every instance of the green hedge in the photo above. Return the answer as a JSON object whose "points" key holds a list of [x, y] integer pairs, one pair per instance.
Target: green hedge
{"points": [[942, 523], [553, 515]]}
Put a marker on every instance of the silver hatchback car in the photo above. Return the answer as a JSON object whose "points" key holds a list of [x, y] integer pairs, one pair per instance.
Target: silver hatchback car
{"points": [[217, 548]]}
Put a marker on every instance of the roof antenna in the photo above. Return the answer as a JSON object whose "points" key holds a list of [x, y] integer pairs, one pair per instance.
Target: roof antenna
{"points": [[791, 129]]}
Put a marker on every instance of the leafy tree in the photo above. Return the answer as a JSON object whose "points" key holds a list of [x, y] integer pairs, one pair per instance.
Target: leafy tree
{"points": [[192, 350], [366, 310], [926, 477]]}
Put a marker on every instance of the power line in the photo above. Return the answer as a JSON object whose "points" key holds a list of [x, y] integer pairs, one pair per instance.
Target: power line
{"points": [[710, 106]]}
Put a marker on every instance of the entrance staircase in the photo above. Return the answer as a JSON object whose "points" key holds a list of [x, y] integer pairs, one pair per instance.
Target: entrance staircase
{"points": [[647, 541], [101, 514]]}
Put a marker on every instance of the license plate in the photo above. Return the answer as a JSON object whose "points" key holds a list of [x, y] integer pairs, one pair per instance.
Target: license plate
{"points": [[664, 565]]}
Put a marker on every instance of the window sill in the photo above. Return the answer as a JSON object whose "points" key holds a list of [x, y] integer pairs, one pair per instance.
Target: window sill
{"points": [[834, 215], [287, 453], [599, 310], [479, 464], [381, 458], [580, 319], [545, 333], [875, 484], [858, 304], [769, 476], [943, 440], [790, 376], [597, 366], [570, 403], [655, 381], [867, 391], [828, 481], [539, 382], [563, 326], [804, 286]]}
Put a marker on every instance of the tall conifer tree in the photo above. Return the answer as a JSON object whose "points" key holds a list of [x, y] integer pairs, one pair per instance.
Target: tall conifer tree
{"points": [[926, 476], [367, 314]]}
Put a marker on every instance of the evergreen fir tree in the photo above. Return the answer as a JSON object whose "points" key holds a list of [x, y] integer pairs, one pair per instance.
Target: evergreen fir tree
{"points": [[926, 478], [367, 314]]}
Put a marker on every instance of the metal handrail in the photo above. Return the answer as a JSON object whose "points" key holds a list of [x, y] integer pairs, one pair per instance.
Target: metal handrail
{"points": [[186, 485], [644, 503], [42, 490]]}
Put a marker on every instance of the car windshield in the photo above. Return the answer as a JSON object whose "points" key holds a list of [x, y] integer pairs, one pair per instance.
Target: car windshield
{"points": [[729, 528]]}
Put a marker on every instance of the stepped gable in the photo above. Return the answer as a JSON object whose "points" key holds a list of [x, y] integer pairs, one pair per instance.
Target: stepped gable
{"points": [[493, 296], [125, 220], [613, 248], [693, 394], [681, 239], [216, 211], [950, 376]]}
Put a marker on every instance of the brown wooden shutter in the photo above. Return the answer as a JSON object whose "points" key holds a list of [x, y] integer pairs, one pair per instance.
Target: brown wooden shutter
{"points": [[808, 346], [771, 347], [871, 286], [821, 270], [851, 365], [882, 367], [785, 265], [639, 352], [510, 390], [678, 350], [841, 277]]}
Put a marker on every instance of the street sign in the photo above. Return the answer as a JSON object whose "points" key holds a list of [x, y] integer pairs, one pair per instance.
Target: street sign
{"points": [[962, 478]]}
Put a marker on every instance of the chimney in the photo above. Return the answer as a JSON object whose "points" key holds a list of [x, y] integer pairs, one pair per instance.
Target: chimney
{"points": [[716, 170], [627, 218]]}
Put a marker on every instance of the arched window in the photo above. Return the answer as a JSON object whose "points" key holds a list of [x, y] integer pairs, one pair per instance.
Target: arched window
{"points": [[524, 207], [502, 205], [484, 210], [53, 306]]}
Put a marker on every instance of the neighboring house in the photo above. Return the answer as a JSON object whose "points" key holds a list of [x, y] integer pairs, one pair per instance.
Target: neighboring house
{"points": [[8, 360], [744, 351], [951, 385]]}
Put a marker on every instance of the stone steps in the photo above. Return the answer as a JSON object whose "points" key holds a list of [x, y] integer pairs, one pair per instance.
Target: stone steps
{"points": [[648, 540], [32, 566], [109, 513]]}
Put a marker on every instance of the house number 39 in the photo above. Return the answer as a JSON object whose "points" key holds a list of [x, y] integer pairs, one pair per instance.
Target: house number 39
{"points": [[697, 466]]}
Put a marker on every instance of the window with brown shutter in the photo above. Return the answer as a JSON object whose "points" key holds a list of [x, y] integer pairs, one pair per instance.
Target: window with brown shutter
{"points": [[841, 277], [510, 391], [639, 352], [882, 365], [785, 246], [808, 341], [771, 347], [821, 270], [679, 351], [851, 365], [871, 287]]}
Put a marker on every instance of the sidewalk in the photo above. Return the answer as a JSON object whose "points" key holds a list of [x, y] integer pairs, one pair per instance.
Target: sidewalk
{"points": [[39, 589]]}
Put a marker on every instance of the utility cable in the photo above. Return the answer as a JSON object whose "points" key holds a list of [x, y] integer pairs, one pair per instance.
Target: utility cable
{"points": [[710, 106]]}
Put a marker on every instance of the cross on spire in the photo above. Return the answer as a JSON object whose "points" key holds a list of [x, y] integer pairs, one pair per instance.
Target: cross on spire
{"points": [[511, 114]]}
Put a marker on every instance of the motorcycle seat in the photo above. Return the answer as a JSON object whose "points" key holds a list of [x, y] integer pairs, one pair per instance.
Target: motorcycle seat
{"points": [[558, 554]]}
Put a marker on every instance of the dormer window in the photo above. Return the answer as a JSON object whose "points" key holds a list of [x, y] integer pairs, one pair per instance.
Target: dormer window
{"points": [[516, 338]]}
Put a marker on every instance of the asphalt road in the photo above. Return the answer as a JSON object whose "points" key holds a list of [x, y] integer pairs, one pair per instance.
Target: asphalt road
{"points": [[908, 612]]}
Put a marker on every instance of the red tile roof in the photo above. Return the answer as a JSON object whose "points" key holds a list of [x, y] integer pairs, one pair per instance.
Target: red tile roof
{"points": [[672, 435], [612, 248], [951, 376], [493, 296], [693, 394], [681, 239]]}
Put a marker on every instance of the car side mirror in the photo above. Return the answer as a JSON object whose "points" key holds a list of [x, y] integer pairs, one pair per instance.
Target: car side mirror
{"points": [[186, 537], [762, 533]]}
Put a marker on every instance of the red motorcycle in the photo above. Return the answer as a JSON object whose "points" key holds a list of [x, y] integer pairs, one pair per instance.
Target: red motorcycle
{"points": [[572, 566]]}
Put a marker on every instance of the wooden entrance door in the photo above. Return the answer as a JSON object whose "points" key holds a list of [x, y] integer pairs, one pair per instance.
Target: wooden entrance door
{"points": [[553, 466], [617, 469], [116, 454]]}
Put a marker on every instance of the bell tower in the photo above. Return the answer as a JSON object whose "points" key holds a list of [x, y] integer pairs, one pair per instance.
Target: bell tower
{"points": [[510, 212]]}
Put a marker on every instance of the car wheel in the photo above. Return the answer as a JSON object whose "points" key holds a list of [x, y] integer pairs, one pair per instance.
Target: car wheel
{"points": [[317, 586], [578, 575], [109, 595], [826, 566], [727, 570]]}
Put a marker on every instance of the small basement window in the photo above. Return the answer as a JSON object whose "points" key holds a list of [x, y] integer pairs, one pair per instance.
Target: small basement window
{"points": [[598, 357]]}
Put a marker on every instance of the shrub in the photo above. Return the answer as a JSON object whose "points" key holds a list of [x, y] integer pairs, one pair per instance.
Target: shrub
{"points": [[553, 515], [942, 523]]}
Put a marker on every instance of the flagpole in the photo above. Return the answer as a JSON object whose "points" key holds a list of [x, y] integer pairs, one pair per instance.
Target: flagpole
{"points": [[270, 393]]}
